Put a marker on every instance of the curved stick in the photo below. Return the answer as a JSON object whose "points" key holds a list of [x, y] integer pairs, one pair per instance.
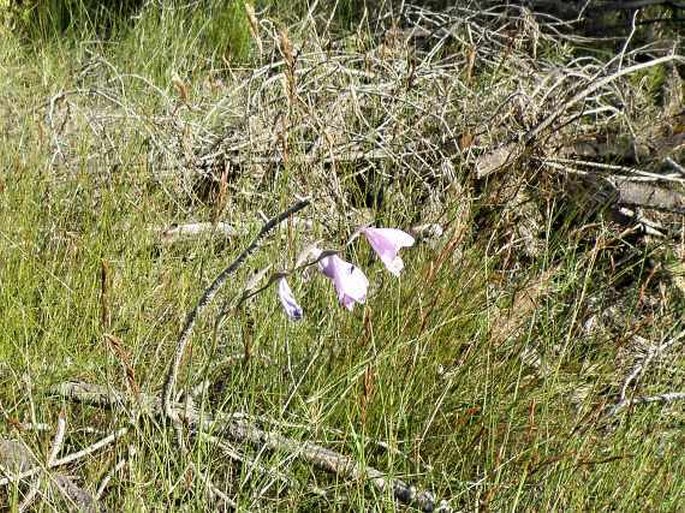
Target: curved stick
{"points": [[207, 297]]}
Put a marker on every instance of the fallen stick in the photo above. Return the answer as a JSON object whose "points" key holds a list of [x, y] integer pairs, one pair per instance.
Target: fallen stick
{"points": [[333, 462], [58, 439], [241, 430], [627, 190]]}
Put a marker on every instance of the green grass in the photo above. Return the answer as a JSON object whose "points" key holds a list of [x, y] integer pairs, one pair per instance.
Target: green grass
{"points": [[414, 383]]}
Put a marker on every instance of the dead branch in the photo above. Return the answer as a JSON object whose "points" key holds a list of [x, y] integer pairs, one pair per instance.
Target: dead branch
{"points": [[502, 155], [207, 297], [75, 495], [58, 439], [241, 430]]}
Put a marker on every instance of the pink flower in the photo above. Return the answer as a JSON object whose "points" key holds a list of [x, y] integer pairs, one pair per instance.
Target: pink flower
{"points": [[350, 282], [387, 242], [292, 309]]}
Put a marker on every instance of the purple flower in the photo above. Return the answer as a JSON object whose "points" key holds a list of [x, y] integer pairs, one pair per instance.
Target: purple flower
{"points": [[387, 242], [350, 282], [292, 309]]}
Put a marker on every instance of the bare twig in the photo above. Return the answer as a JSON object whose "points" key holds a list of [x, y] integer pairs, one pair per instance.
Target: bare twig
{"points": [[100, 444], [58, 439], [113, 471], [653, 351], [675, 165], [668, 397], [207, 297], [70, 458]]}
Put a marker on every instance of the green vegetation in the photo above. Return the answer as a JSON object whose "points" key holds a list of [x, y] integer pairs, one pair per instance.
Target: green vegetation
{"points": [[487, 373]]}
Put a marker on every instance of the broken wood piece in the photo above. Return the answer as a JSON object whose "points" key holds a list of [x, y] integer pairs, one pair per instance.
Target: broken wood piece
{"points": [[14, 456], [648, 226], [648, 195], [75, 495], [497, 159]]}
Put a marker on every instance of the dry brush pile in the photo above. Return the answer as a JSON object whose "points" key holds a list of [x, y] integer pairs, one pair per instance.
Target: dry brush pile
{"points": [[541, 137]]}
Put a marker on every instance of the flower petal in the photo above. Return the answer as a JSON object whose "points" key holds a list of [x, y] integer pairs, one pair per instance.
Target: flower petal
{"points": [[387, 242], [395, 265], [290, 305], [327, 266], [350, 282]]}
